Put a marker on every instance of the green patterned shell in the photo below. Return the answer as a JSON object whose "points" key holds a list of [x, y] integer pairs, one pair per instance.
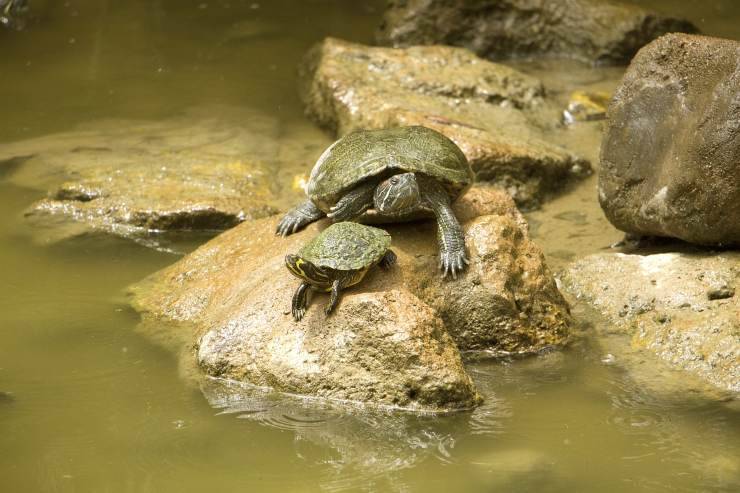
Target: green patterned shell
{"points": [[363, 154], [347, 246]]}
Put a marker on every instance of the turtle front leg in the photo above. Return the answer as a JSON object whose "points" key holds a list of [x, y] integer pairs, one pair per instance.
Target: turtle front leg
{"points": [[336, 288], [302, 215], [354, 203], [452, 257], [388, 260], [300, 301]]}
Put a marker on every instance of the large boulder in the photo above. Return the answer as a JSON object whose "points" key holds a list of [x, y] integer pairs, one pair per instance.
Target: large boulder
{"points": [[392, 339], [681, 306], [670, 158], [497, 115], [590, 30]]}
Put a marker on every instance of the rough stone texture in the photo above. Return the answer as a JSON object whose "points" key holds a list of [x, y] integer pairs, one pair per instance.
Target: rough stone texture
{"points": [[389, 340], [207, 169], [682, 306], [670, 158], [494, 113], [589, 30]]}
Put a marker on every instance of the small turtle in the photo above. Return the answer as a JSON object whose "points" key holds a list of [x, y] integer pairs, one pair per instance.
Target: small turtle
{"points": [[400, 172], [337, 258]]}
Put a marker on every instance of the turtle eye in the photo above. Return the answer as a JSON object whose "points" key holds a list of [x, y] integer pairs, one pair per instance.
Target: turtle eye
{"points": [[394, 180]]}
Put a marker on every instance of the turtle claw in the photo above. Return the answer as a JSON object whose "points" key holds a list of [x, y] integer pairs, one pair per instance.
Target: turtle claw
{"points": [[298, 314], [452, 263]]}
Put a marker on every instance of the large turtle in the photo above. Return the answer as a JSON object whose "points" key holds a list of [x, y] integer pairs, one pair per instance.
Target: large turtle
{"points": [[399, 172], [337, 258]]}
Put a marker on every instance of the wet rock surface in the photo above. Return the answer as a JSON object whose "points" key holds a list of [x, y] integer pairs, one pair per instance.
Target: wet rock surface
{"points": [[670, 159], [589, 30], [393, 339], [497, 115], [137, 179], [681, 306]]}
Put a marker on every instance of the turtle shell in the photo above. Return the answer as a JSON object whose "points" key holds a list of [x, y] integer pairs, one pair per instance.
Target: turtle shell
{"points": [[347, 246], [363, 154]]}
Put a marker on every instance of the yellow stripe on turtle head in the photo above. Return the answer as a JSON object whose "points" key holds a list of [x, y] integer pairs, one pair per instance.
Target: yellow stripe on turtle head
{"points": [[305, 270]]}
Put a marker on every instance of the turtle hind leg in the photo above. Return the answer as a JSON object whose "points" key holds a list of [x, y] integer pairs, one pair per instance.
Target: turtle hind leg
{"points": [[302, 215], [388, 260], [300, 301]]}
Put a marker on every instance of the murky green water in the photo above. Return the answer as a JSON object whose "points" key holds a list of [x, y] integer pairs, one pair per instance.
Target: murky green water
{"points": [[93, 405]]}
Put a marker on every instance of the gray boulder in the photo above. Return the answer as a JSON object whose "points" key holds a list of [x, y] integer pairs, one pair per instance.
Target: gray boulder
{"points": [[681, 306], [670, 158], [497, 115], [394, 338], [591, 30]]}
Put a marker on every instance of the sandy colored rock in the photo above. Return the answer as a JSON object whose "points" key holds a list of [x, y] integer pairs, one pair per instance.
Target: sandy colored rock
{"points": [[594, 31], [670, 158], [389, 340], [491, 111], [681, 306]]}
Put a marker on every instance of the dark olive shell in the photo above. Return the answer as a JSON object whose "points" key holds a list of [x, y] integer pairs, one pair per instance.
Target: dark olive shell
{"points": [[367, 153], [347, 246]]}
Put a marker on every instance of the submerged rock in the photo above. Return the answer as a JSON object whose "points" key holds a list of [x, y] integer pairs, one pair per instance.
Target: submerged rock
{"points": [[669, 303], [670, 158], [589, 30], [584, 106], [492, 112], [388, 341]]}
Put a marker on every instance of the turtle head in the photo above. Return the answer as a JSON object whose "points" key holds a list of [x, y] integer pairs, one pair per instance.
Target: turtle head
{"points": [[397, 194], [303, 269]]}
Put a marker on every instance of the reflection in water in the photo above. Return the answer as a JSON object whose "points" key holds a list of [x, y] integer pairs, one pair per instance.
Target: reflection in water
{"points": [[360, 446]]}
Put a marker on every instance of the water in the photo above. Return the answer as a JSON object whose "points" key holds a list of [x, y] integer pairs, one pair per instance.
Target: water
{"points": [[87, 403]]}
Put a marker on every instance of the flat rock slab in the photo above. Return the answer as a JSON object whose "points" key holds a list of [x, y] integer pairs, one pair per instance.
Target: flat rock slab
{"points": [[594, 31], [195, 172], [682, 306], [394, 338], [494, 113], [670, 158]]}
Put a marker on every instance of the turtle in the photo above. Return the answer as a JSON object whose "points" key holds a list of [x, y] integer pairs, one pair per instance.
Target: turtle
{"points": [[337, 258], [399, 172]]}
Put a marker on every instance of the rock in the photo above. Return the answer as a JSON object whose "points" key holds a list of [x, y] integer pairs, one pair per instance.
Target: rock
{"points": [[134, 178], [389, 340], [12, 13], [590, 30], [665, 302], [586, 106], [494, 113], [670, 158]]}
